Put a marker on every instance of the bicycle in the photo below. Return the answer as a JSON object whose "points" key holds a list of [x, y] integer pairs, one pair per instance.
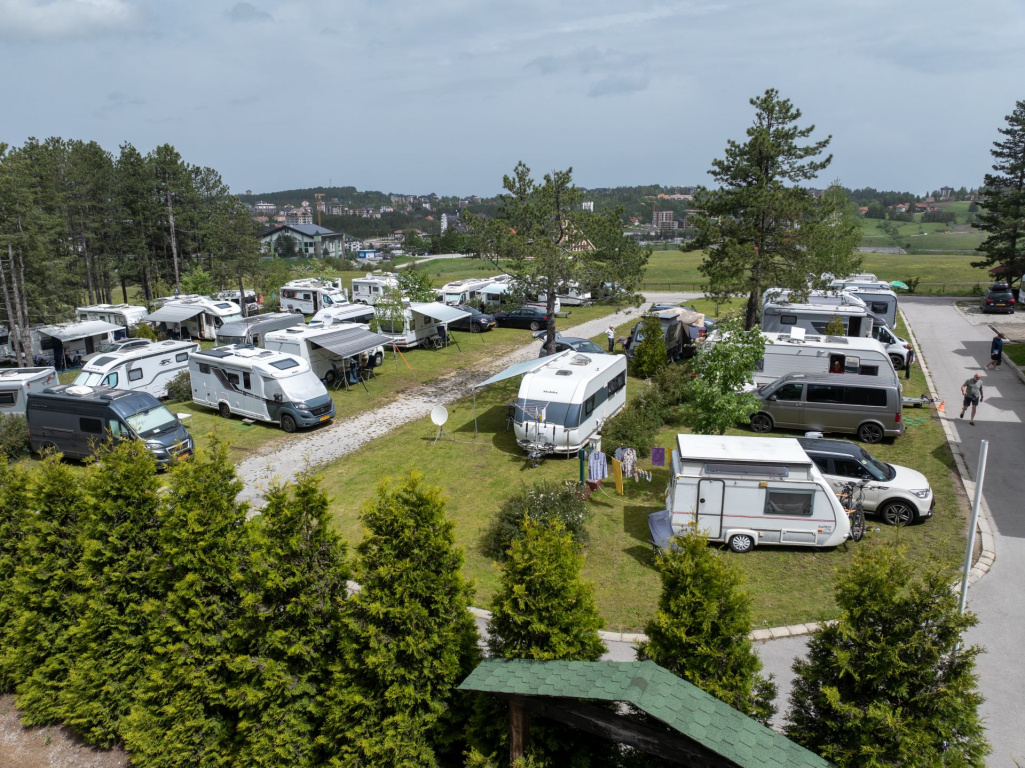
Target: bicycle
{"points": [[853, 504]]}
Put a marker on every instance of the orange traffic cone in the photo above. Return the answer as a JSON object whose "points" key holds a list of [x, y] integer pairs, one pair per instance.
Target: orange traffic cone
{"points": [[940, 407]]}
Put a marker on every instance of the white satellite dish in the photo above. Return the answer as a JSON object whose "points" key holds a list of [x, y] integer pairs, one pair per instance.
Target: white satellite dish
{"points": [[439, 415]]}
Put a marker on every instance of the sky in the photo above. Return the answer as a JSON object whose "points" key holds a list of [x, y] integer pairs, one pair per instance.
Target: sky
{"points": [[446, 96]]}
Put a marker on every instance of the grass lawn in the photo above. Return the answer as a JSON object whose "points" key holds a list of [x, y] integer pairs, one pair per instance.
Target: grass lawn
{"points": [[1015, 353], [788, 584]]}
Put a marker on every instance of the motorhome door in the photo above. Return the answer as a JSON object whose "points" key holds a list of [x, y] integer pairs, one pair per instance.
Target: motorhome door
{"points": [[710, 498]]}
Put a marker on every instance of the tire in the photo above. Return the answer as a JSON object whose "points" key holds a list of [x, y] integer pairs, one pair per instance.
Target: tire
{"points": [[741, 543], [898, 362], [897, 513], [761, 423], [870, 433], [288, 424], [535, 325], [378, 359], [857, 525], [329, 378], [475, 328], [225, 410], [47, 447]]}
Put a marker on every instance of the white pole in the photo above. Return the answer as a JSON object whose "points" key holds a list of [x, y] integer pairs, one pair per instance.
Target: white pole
{"points": [[980, 476]]}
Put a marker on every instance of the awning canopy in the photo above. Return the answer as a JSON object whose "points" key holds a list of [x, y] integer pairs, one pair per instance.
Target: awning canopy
{"points": [[518, 369], [349, 342], [73, 331], [440, 312], [174, 313]]}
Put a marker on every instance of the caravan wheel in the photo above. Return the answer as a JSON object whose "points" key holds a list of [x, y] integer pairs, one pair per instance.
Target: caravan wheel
{"points": [[378, 359], [741, 543], [225, 410]]}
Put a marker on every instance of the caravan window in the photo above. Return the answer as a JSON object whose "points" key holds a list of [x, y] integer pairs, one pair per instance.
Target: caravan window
{"points": [[181, 357], [788, 319], [869, 370], [8, 398], [617, 384], [559, 414], [879, 307], [204, 368], [233, 378], [247, 381], [283, 365], [589, 406], [134, 374], [789, 503]]}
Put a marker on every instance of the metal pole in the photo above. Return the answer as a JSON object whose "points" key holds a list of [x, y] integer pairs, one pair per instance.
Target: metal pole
{"points": [[980, 476]]}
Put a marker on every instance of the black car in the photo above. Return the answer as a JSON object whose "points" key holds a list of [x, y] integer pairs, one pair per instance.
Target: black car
{"points": [[476, 322], [533, 318], [577, 344], [998, 298]]}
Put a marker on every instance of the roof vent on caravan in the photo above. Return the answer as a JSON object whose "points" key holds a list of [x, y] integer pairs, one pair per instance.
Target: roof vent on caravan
{"points": [[580, 360], [797, 334], [563, 372], [79, 391]]}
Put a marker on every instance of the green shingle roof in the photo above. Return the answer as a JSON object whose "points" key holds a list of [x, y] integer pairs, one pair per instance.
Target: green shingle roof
{"points": [[680, 705]]}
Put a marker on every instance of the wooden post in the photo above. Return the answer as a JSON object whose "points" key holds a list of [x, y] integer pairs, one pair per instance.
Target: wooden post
{"points": [[519, 731]]}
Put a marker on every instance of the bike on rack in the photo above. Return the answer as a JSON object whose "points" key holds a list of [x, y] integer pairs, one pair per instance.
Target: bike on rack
{"points": [[852, 497]]}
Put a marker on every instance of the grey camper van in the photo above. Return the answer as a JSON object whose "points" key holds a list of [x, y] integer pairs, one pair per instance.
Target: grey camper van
{"points": [[251, 330], [75, 420], [866, 406]]}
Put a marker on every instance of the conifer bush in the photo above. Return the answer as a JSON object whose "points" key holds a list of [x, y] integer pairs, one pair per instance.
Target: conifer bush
{"points": [[14, 441], [179, 389], [545, 500], [650, 357], [14, 523]]}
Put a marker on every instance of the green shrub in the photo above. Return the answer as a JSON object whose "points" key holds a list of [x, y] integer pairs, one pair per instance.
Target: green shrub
{"points": [[544, 501], [179, 390], [633, 427], [144, 331], [13, 437], [650, 357]]}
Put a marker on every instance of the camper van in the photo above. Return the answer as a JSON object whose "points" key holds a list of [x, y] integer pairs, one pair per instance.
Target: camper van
{"points": [[681, 327], [309, 295], [76, 420], [563, 403], [17, 383], [420, 323], [251, 330], [125, 315], [749, 491], [260, 384], [346, 313], [814, 318], [327, 347], [367, 290], [193, 316], [462, 291], [878, 301], [796, 352], [147, 369], [498, 293]]}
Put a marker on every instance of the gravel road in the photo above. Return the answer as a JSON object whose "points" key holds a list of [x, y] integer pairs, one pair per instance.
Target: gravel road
{"points": [[343, 437]]}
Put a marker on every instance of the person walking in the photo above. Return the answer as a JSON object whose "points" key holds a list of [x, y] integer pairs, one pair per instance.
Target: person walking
{"points": [[996, 352], [972, 391], [611, 334]]}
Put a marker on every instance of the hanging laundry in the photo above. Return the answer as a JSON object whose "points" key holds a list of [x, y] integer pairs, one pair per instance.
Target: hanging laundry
{"points": [[597, 467], [630, 463], [617, 473], [658, 456]]}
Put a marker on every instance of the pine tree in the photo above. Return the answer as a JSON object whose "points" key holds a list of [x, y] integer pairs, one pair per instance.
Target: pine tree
{"points": [[108, 645], [181, 713], [700, 631], [292, 614], [1003, 202], [888, 683], [650, 357], [43, 593], [408, 637], [15, 520]]}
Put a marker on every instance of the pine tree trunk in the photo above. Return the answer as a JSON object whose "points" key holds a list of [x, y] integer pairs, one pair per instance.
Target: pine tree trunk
{"points": [[13, 340], [242, 296], [89, 275], [174, 242], [26, 332], [124, 290]]}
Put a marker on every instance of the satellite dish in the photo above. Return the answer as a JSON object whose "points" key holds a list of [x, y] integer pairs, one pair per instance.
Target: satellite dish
{"points": [[439, 415]]}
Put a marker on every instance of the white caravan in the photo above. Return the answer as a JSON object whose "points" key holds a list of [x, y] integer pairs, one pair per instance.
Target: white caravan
{"points": [[796, 352], [327, 347], [369, 289], [310, 295], [125, 315], [147, 369], [814, 318], [862, 280], [496, 295], [419, 323], [253, 300], [63, 344], [564, 402], [346, 313], [748, 491], [462, 291], [251, 330], [193, 316], [260, 384], [17, 383]]}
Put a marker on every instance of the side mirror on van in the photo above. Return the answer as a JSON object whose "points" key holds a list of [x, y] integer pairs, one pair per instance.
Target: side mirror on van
{"points": [[771, 398], [277, 398]]}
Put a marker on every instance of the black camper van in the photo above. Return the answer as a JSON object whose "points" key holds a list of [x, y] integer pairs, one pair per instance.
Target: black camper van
{"points": [[76, 420]]}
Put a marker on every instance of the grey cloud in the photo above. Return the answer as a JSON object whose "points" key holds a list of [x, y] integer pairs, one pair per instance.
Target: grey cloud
{"points": [[246, 12], [614, 85], [617, 72], [116, 102]]}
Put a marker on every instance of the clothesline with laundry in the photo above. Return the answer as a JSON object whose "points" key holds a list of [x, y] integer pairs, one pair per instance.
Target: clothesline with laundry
{"points": [[623, 466]]}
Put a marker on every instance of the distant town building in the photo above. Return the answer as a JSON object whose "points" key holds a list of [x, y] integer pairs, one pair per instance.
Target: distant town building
{"points": [[444, 222], [662, 220], [299, 216], [307, 238], [946, 193], [588, 205], [265, 209]]}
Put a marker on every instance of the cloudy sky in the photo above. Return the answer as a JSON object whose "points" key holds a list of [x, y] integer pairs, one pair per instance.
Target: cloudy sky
{"points": [[446, 95]]}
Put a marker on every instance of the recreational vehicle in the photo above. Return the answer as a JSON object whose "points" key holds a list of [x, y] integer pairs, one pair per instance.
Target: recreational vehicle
{"points": [[881, 302], [77, 420], [344, 313], [681, 328], [330, 349], [748, 491], [369, 289], [565, 401], [125, 315], [310, 295], [66, 343], [572, 295], [831, 298], [500, 293], [260, 384], [418, 323], [193, 316], [863, 280], [462, 291], [17, 383], [147, 369], [251, 330], [814, 318]]}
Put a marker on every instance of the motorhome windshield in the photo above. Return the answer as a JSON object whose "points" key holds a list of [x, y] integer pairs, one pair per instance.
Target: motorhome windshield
{"points": [[296, 389], [152, 422], [88, 379], [225, 340]]}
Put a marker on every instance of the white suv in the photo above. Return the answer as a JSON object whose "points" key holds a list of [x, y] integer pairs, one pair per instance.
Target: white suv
{"points": [[900, 496]]}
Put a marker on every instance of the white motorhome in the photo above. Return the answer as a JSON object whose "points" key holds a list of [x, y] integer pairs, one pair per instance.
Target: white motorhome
{"points": [[881, 302], [497, 294], [251, 330], [17, 383], [564, 402], [862, 280], [367, 290], [254, 302], [125, 315], [63, 344], [462, 291], [260, 384], [748, 491], [814, 318], [146, 369], [310, 295], [572, 295], [193, 316], [418, 324], [797, 352], [346, 313], [329, 349], [830, 298]]}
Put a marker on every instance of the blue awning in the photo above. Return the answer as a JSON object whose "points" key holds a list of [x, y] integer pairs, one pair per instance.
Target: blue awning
{"points": [[518, 369]]}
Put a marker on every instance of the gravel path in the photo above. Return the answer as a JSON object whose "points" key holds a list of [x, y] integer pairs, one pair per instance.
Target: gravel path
{"points": [[343, 437]]}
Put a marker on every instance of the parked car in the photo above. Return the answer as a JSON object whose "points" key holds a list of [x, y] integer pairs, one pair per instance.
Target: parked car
{"points": [[899, 495], [476, 322], [998, 298], [577, 344], [119, 345], [533, 318]]}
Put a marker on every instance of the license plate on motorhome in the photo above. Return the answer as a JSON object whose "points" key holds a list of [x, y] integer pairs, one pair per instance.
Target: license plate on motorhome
{"points": [[325, 417]]}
